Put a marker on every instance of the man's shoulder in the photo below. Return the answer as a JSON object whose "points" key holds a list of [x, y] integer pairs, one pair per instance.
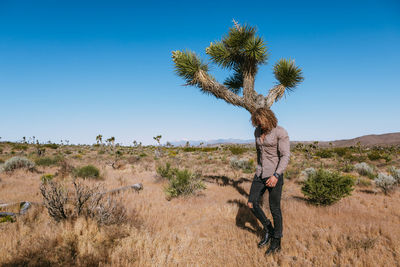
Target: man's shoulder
{"points": [[281, 131]]}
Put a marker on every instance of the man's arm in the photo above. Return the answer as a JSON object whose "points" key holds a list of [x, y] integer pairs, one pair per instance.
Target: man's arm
{"points": [[259, 167], [284, 151]]}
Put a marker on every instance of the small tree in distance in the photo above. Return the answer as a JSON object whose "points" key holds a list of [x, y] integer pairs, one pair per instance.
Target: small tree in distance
{"points": [[241, 51]]}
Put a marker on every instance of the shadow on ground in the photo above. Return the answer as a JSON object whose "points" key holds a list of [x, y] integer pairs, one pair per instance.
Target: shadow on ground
{"points": [[226, 181]]}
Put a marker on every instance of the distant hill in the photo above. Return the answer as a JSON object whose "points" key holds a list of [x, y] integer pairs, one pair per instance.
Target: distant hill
{"points": [[365, 140]]}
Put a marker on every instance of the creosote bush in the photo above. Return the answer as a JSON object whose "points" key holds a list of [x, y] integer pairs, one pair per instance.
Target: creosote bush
{"points": [[166, 171], [15, 163], [88, 171], [180, 182], [183, 182], [325, 187]]}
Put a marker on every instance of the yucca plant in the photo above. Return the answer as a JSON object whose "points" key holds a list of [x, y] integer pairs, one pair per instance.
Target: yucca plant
{"points": [[242, 51]]}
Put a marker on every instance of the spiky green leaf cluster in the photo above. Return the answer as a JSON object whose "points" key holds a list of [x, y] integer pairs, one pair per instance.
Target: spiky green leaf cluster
{"points": [[241, 51], [288, 74], [187, 63]]}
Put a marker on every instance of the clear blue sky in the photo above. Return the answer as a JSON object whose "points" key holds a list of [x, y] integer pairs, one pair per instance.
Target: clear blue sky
{"points": [[75, 69]]}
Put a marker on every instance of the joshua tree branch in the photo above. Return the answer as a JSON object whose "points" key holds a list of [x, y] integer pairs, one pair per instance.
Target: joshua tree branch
{"points": [[209, 85], [274, 95]]}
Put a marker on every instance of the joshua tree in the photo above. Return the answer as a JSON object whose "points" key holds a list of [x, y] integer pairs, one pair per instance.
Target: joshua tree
{"points": [[111, 140], [158, 152], [157, 138], [99, 139], [241, 51]]}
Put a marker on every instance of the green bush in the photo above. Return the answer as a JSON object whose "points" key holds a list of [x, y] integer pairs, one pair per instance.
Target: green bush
{"points": [[183, 182], [325, 187], [374, 155], [48, 161], [190, 149], [88, 171], [166, 171], [18, 146], [46, 177], [7, 218], [209, 149], [142, 155], [340, 151], [348, 167], [237, 150], [324, 153], [52, 146]]}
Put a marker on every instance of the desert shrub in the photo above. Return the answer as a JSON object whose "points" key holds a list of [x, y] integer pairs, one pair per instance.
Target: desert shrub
{"points": [[65, 168], [18, 146], [325, 187], [190, 149], [209, 149], [166, 171], [340, 151], [46, 178], [88, 171], [347, 167], [172, 153], [52, 146], [55, 199], [183, 182], [7, 218], [17, 163], [48, 161], [355, 158], [86, 201], [237, 150], [364, 169], [246, 165], [374, 155], [387, 157], [385, 182], [308, 172], [142, 155], [395, 173], [324, 153]]}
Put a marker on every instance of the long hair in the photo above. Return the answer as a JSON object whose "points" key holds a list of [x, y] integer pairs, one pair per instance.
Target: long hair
{"points": [[264, 118]]}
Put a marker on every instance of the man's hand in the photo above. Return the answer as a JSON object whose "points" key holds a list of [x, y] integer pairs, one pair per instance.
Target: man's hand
{"points": [[271, 181]]}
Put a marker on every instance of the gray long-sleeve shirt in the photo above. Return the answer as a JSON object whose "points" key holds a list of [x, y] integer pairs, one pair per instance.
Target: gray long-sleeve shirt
{"points": [[273, 154]]}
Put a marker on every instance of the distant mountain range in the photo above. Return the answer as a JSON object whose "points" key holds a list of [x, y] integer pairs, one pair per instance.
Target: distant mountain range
{"points": [[366, 140]]}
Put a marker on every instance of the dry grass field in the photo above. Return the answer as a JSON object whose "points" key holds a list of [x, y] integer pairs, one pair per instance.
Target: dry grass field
{"points": [[213, 227]]}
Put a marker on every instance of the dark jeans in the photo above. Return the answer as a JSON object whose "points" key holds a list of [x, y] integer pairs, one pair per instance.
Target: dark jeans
{"points": [[257, 190]]}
